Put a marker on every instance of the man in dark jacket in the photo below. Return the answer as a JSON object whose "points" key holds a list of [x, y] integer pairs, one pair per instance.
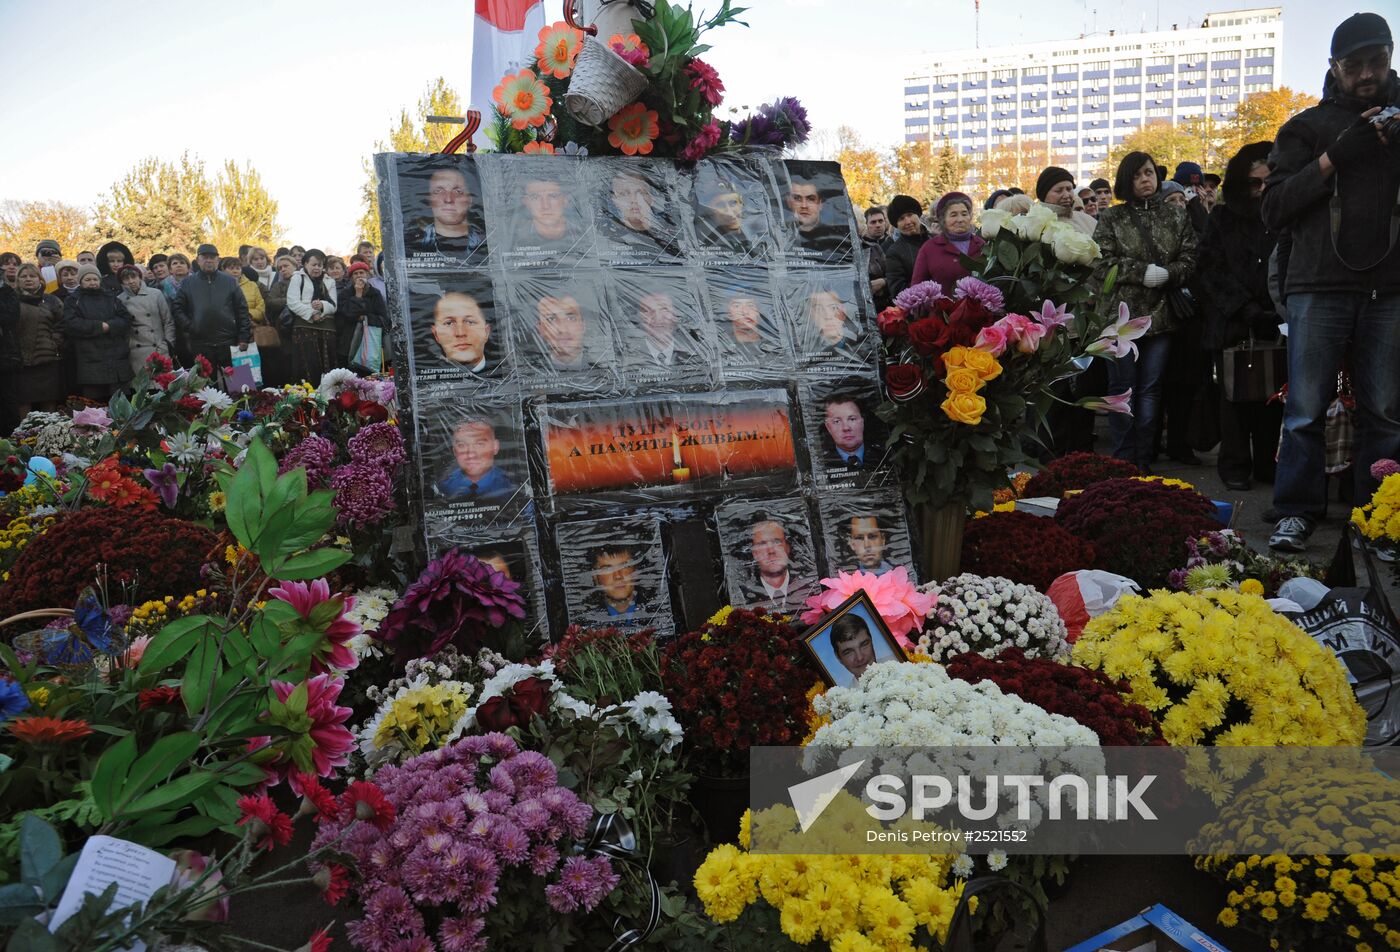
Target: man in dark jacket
{"points": [[211, 312], [1334, 184], [906, 215]]}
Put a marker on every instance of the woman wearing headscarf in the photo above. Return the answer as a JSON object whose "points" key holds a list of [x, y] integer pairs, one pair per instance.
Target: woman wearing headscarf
{"points": [[39, 378], [1153, 246], [97, 324], [940, 257], [1239, 308], [311, 297], [360, 302]]}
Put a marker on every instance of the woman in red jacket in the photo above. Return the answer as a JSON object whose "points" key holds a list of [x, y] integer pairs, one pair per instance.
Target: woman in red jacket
{"points": [[938, 258]]}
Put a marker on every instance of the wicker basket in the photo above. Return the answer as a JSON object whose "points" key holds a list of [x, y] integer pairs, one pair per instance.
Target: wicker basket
{"points": [[602, 83]]}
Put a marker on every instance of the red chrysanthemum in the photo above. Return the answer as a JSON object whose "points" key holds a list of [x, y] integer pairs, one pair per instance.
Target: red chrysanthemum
{"points": [[49, 730], [162, 696], [274, 826], [365, 801], [1033, 550], [1076, 471]]}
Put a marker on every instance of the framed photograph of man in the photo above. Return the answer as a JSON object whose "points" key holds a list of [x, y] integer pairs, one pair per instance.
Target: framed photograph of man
{"points": [[561, 334], [541, 216], [770, 556], [474, 464], [749, 329], [849, 640], [844, 434], [663, 328], [455, 330], [829, 326], [512, 554], [441, 211], [820, 223], [865, 532], [614, 573], [735, 209], [637, 212]]}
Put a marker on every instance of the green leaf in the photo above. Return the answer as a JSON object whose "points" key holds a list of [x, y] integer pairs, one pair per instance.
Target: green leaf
{"points": [[111, 772], [243, 511], [29, 936], [174, 641], [156, 765], [309, 565], [204, 667], [179, 792], [57, 877], [263, 465], [39, 849], [18, 902], [157, 830]]}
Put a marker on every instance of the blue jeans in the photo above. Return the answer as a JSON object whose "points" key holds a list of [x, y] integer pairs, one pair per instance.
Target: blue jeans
{"points": [[1133, 436], [1321, 328]]}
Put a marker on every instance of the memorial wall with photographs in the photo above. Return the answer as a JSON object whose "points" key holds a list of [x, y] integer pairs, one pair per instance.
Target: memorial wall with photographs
{"points": [[641, 388]]}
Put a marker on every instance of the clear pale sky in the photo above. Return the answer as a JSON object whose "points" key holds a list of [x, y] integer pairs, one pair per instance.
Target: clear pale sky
{"points": [[303, 90]]}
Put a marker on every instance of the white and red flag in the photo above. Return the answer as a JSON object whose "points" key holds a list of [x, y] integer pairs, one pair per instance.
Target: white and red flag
{"points": [[507, 32]]}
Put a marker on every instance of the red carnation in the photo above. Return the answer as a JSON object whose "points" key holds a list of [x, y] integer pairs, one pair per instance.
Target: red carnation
{"points": [[162, 696], [365, 801], [316, 797], [264, 820], [334, 882]]}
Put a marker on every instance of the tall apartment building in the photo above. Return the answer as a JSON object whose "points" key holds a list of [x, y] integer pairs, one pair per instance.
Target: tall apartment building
{"points": [[1085, 95]]}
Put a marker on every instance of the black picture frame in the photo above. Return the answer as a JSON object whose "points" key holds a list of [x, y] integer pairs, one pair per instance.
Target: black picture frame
{"points": [[884, 645]]}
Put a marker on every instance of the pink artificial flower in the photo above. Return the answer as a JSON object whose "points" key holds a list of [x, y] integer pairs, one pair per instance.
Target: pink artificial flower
{"points": [[189, 867], [334, 652], [992, 339], [136, 650], [706, 139], [1053, 316], [330, 739], [900, 604], [705, 80], [91, 418], [1117, 403]]}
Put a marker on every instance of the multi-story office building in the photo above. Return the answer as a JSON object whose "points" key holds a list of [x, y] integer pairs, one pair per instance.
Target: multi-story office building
{"points": [[1076, 98]]}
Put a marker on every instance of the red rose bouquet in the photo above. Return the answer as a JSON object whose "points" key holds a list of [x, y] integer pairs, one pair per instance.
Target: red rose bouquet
{"points": [[1030, 549], [737, 684], [1076, 471], [1138, 527], [1088, 697]]}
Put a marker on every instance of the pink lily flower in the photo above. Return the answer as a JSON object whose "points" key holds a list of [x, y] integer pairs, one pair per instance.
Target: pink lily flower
{"points": [[1053, 316], [1117, 339], [1116, 403]]}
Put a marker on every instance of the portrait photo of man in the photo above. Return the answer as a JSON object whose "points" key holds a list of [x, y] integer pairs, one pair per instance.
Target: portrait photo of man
{"points": [[781, 576], [547, 223], [662, 329], [453, 324], [461, 331], [453, 226], [614, 573], [864, 532], [735, 204], [746, 324], [614, 580], [818, 212], [848, 430], [475, 475], [636, 214], [561, 335], [847, 644]]}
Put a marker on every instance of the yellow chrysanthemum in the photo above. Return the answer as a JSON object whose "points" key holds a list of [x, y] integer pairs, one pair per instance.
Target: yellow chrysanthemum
{"points": [[217, 501]]}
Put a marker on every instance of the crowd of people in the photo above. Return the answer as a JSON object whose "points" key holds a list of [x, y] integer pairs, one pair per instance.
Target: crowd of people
{"points": [[84, 326], [1296, 243], [1293, 249]]}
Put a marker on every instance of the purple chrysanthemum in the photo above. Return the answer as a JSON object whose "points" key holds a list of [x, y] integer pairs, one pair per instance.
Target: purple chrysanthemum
{"points": [[980, 291], [315, 454], [790, 116], [462, 935], [1382, 468], [380, 444], [757, 129], [457, 599], [919, 298], [364, 494]]}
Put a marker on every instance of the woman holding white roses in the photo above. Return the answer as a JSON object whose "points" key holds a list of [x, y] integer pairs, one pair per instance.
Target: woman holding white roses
{"points": [[1153, 246]]}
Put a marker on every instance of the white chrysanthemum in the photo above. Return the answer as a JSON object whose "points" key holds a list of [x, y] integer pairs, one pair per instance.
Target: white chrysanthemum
{"points": [[987, 614], [333, 380], [962, 866], [212, 397], [996, 859]]}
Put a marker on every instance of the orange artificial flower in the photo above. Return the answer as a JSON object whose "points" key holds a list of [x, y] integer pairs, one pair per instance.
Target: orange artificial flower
{"points": [[539, 148], [559, 46], [633, 129], [45, 730], [523, 98]]}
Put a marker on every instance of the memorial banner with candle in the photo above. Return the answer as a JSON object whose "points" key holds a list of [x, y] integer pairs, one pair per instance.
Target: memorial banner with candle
{"points": [[590, 347], [686, 444]]}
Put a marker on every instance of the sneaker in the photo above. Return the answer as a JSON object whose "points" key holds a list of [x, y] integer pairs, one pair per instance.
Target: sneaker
{"points": [[1291, 534]]}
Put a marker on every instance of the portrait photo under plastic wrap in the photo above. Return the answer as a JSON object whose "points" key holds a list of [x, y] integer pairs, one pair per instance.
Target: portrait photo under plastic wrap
{"points": [[637, 211], [819, 223], [474, 462], [829, 326], [845, 436], [456, 331], [663, 329], [540, 217], [735, 210], [865, 532], [770, 555], [613, 573], [513, 554], [752, 337], [441, 211], [667, 447], [561, 334]]}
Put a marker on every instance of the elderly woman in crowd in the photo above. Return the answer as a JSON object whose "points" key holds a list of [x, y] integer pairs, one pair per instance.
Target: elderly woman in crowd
{"points": [[38, 383], [940, 257]]}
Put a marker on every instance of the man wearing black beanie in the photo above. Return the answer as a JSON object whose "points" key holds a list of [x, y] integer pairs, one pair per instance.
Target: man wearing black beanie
{"points": [[1334, 186]]}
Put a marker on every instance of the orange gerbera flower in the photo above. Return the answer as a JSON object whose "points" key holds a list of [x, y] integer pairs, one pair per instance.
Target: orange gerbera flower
{"points": [[539, 148], [523, 98], [633, 129], [48, 730], [559, 46]]}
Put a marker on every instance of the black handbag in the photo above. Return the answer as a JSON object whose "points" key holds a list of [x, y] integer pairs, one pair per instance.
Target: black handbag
{"points": [[960, 931], [1254, 371]]}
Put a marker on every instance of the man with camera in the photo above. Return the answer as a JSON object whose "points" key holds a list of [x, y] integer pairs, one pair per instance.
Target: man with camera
{"points": [[1334, 186]]}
